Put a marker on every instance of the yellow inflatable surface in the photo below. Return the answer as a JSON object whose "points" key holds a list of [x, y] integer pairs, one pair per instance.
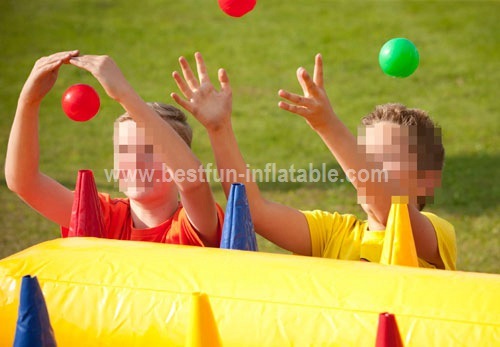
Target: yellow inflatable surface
{"points": [[123, 293]]}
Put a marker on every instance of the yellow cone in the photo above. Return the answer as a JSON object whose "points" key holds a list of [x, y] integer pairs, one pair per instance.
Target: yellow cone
{"points": [[399, 246], [203, 330]]}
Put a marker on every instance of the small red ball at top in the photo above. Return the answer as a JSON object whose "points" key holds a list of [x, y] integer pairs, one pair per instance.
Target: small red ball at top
{"points": [[80, 102], [237, 8]]}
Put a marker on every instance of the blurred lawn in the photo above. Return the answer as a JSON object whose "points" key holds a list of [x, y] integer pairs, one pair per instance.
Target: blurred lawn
{"points": [[457, 82]]}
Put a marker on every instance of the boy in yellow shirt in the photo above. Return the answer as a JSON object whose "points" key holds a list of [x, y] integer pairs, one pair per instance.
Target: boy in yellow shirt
{"points": [[403, 143]]}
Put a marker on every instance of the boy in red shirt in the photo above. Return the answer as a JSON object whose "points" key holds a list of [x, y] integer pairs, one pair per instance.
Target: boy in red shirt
{"points": [[151, 150]]}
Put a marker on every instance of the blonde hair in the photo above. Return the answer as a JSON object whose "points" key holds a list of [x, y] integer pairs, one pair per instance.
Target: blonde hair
{"points": [[172, 115]]}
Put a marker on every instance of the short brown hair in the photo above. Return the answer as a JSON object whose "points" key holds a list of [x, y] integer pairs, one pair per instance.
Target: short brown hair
{"points": [[428, 145], [426, 142], [172, 115]]}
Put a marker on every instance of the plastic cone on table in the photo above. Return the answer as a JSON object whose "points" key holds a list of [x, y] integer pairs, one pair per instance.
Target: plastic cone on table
{"points": [[86, 214], [388, 332], [238, 231], [33, 327], [203, 330], [399, 245]]}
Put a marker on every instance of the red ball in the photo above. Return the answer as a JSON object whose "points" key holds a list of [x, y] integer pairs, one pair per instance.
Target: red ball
{"points": [[237, 8], [80, 102]]}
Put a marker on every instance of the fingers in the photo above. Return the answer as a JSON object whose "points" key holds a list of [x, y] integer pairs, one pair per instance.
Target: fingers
{"points": [[78, 62], [62, 55], [224, 81], [101, 66], [201, 68], [184, 103], [189, 85], [318, 71], [188, 74], [86, 62], [300, 110], [55, 60], [300, 72], [49, 65], [182, 85], [68, 55], [89, 59], [306, 82], [295, 98]]}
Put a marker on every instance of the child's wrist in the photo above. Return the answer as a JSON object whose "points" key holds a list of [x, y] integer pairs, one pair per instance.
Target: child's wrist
{"points": [[27, 101], [327, 124], [219, 127]]}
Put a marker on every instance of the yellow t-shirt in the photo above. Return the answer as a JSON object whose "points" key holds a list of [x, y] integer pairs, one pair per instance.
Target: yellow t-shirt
{"points": [[345, 237]]}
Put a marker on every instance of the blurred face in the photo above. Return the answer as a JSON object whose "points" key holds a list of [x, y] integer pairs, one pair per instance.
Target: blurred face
{"points": [[393, 148], [388, 144], [138, 163]]}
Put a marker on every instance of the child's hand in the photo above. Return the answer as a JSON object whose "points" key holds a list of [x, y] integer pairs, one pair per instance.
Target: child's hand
{"points": [[105, 70], [314, 106], [44, 75], [203, 101]]}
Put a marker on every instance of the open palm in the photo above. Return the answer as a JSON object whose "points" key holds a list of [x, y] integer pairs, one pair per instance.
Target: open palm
{"points": [[202, 100]]}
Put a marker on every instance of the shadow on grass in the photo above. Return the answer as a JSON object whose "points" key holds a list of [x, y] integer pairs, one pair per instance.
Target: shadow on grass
{"points": [[470, 184]]}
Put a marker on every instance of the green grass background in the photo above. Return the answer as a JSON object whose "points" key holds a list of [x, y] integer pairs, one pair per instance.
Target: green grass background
{"points": [[456, 82]]}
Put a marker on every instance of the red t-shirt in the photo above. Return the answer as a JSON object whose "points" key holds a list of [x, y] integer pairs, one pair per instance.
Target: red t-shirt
{"points": [[176, 230]]}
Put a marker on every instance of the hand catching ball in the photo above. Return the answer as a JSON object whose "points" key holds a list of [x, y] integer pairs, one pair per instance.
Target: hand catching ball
{"points": [[80, 102], [398, 57], [237, 8]]}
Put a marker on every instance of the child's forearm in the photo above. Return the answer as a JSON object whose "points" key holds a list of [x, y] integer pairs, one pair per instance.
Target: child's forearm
{"points": [[174, 151], [230, 162], [280, 224], [182, 164], [22, 172], [233, 169], [283, 225], [22, 160], [343, 146]]}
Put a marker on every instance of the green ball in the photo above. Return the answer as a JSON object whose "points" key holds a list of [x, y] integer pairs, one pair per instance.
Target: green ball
{"points": [[398, 57]]}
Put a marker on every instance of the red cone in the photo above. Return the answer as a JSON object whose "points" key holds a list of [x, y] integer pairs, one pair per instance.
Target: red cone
{"points": [[86, 214], [388, 332]]}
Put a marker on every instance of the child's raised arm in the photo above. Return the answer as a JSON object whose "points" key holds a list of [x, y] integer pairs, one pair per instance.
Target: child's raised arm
{"points": [[22, 171], [285, 226], [195, 192], [315, 107]]}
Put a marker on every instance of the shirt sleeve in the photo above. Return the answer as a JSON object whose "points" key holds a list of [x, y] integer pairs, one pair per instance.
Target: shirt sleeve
{"points": [[186, 232], [447, 244], [333, 235]]}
